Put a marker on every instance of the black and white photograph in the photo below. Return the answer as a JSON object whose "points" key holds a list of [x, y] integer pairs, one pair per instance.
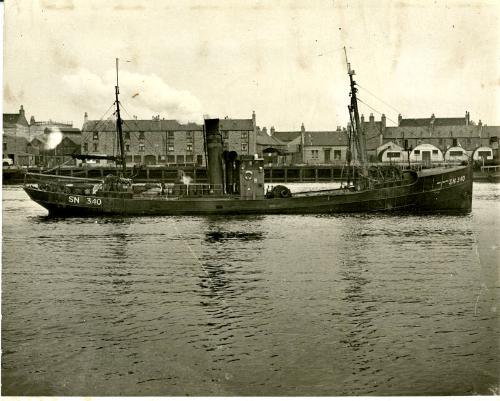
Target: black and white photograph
{"points": [[250, 198]]}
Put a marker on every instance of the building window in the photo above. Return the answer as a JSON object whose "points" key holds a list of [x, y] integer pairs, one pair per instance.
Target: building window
{"points": [[95, 137], [5, 146], [440, 141], [189, 135], [417, 152], [170, 148], [484, 153], [244, 147], [456, 153], [141, 147], [127, 135], [199, 160], [393, 155], [127, 147], [434, 151], [244, 135], [225, 134], [315, 154], [189, 147], [180, 159], [95, 147], [189, 158], [85, 147], [141, 135], [170, 158], [455, 142], [337, 154]]}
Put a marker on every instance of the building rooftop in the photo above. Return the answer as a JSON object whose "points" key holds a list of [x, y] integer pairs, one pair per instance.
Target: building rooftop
{"points": [[166, 125], [425, 122], [286, 136], [323, 138]]}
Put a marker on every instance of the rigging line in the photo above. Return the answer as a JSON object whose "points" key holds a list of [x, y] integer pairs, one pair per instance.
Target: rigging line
{"points": [[376, 97], [152, 145], [100, 120], [376, 111]]}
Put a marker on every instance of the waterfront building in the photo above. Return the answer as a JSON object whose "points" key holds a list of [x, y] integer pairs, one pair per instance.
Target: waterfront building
{"points": [[37, 128], [165, 142], [391, 153], [272, 150], [54, 146], [456, 153], [15, 137], [442, 133], [426, 153], [314, 147]]}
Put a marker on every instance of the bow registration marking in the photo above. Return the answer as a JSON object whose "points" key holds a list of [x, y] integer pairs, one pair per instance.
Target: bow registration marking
{"points": [[84, 200], [453, 180]]}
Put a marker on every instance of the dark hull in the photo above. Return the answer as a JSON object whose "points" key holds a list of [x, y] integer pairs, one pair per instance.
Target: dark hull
{"points": [[434, 190]]}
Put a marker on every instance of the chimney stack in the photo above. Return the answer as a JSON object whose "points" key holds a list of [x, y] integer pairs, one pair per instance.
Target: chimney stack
{"points": [[382, 120], [400, 118], [272, 130], [372, 119], [467, 118], [21, 111], [85, 117]]}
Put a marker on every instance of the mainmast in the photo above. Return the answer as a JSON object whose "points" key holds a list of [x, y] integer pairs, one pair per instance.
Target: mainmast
{"points": [[121, 158], [359, 138]]}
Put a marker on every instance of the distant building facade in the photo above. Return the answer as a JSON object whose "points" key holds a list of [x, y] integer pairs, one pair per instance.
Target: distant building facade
{"points": [[15, 137], [32, 143], [442, 133], [314, 147], [165, 142]]}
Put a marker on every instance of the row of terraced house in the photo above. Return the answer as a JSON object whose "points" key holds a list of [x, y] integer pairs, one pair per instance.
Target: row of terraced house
{"points": [[162, 142]]}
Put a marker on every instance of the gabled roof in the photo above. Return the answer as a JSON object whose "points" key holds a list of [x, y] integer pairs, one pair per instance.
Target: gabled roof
{"points": [[141, 125], [267, 140], [491, 131], [286, 136], [12, 119], [166, 125], [425, 122], [323, 138], [228, 124]]}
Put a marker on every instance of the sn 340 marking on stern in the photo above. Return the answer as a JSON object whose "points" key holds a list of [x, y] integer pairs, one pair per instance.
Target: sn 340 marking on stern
{"points": [[84, 200]]}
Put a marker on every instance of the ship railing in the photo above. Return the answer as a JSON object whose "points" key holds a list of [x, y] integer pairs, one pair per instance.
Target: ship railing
{"points": [[489, 169], [177, 190], [64, 184]]}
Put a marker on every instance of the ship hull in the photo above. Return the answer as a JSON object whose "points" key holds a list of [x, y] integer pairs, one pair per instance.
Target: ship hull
{"points": [[434, 190]]}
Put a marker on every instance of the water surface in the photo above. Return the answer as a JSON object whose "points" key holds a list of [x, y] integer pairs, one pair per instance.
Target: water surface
{"points": [[273, 305]]}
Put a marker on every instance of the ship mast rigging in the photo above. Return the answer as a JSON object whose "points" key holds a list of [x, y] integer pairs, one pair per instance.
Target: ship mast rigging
{"points": [[357, 130], [121, 158]]}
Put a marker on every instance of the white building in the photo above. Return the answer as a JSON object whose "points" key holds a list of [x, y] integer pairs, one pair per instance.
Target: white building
{"points": [[426, 152], [456, 154], [483, 153]]}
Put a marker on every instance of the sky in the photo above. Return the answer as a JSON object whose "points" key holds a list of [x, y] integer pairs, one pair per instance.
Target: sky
{"points": [[283, 59]]}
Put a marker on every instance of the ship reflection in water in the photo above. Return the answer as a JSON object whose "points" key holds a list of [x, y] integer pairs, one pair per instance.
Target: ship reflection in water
{"points": [[269, 305]]}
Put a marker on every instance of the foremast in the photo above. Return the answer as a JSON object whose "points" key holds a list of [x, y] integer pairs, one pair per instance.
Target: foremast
{"points": [[120, 159], [357, 130]]}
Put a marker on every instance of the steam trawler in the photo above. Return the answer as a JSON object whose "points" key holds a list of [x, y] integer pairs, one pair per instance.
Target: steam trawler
{"points": [[236, 185]]}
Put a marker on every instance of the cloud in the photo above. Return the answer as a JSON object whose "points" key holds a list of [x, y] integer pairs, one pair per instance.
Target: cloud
{"points": [[140, 94]]}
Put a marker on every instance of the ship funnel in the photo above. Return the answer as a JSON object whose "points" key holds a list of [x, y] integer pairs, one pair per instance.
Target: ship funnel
{"points": [[214, 154]]}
